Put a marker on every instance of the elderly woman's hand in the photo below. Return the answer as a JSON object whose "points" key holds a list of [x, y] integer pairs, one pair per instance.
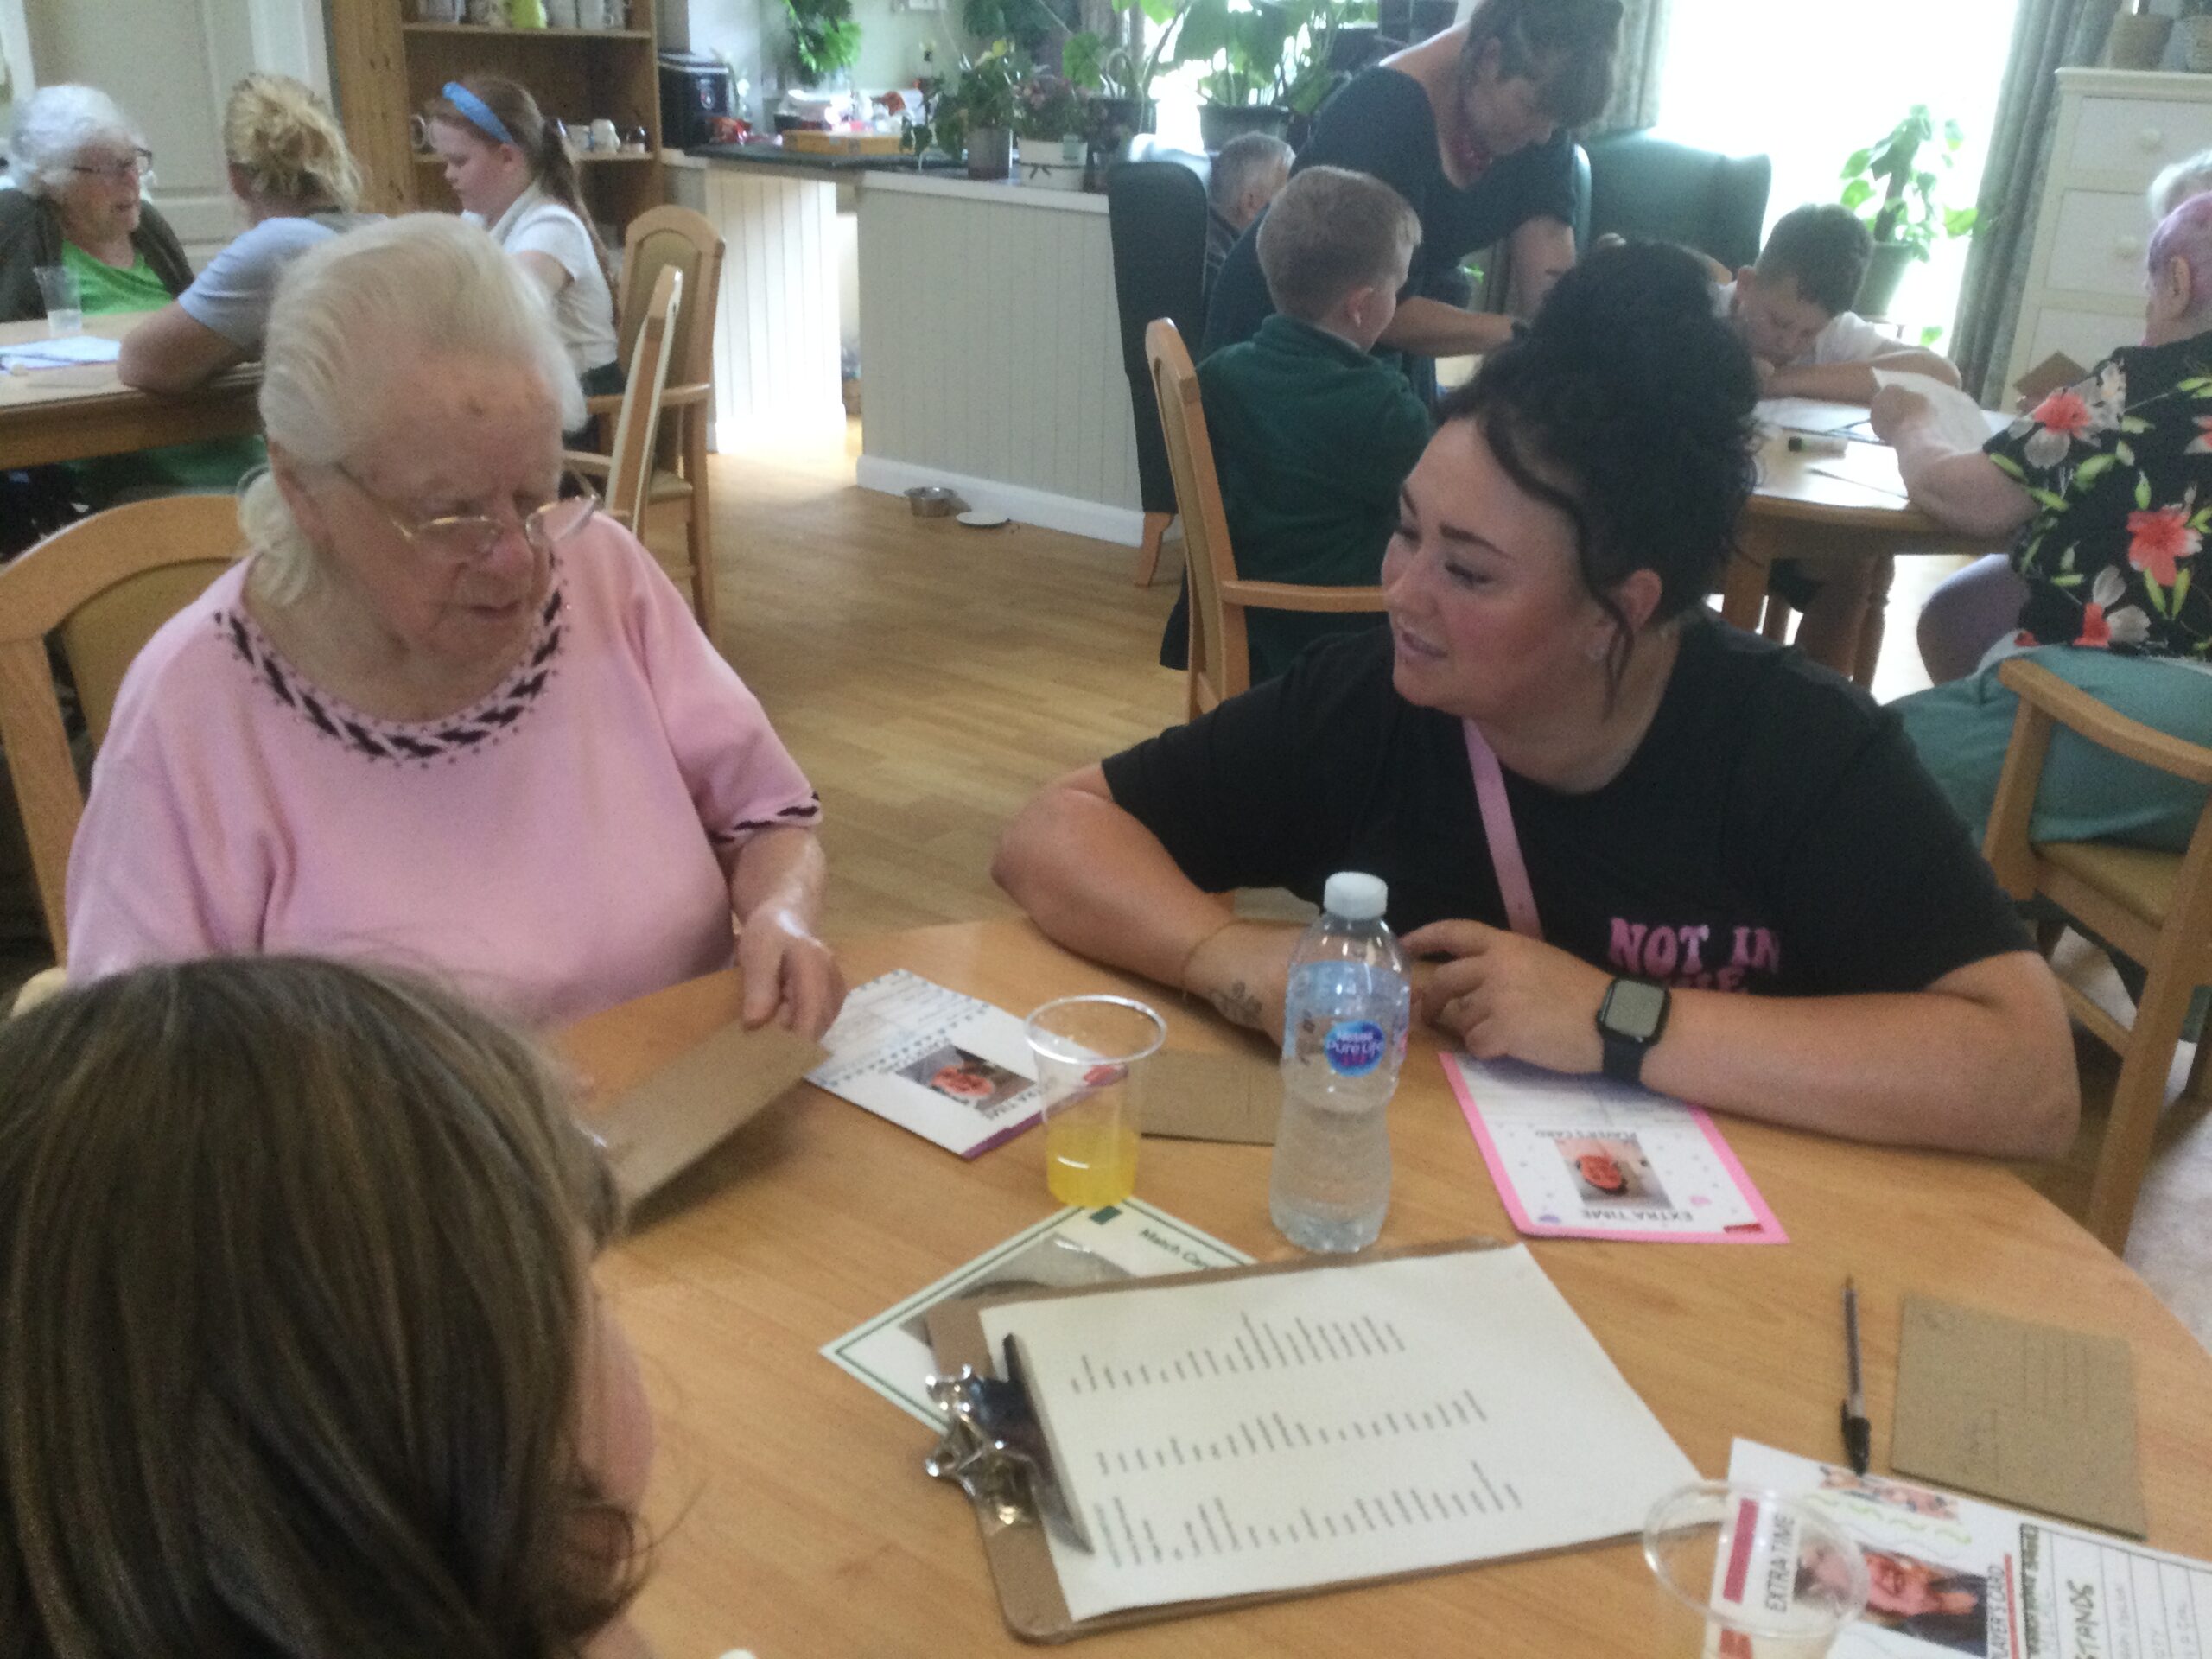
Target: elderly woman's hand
{"points": [[1895, 408], [791, 977], [1506, 997]]}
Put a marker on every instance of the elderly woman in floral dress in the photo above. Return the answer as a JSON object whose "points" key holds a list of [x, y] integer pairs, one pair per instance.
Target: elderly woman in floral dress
{"points": [[2109, 484]]}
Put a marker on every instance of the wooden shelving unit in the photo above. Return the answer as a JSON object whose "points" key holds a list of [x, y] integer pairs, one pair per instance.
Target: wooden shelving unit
{"points": [[388, 67]]}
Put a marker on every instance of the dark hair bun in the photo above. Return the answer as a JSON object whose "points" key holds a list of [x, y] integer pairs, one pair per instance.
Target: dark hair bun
{"points": [[1646, 312], [1628, 405]]}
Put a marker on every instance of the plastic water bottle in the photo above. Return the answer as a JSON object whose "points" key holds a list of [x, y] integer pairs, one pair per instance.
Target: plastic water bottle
{"points": [[1344, 1037]]}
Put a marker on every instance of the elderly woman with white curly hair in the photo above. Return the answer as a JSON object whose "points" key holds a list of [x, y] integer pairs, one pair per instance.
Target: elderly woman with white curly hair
{"points": [[445, 713], [78, 162]]}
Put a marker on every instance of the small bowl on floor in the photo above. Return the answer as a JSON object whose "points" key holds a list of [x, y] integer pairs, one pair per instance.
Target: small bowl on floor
{"points": [[933, 501]]}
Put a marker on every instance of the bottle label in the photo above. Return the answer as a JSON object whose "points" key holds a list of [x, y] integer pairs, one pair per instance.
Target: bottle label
{"points": [[1355, 1047]]}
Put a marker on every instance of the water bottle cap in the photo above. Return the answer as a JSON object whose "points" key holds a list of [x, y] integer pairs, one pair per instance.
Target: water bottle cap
{"points": [[1356, 896]]}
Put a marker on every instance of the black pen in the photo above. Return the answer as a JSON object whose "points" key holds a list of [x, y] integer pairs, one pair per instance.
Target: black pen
{"points": [[1858, 1432]]}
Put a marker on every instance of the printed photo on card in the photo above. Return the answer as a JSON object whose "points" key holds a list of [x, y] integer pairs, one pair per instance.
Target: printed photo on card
{"points": [[1580, 1157], [1949, 1575], [950, 1068]]}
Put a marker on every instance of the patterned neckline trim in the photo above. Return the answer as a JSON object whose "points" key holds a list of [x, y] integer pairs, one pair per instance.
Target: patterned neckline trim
{"points": [[480, 726]]}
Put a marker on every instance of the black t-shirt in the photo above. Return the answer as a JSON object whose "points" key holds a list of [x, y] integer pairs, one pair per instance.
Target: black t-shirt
{"points": [[1773, 833], [1380, 124]]}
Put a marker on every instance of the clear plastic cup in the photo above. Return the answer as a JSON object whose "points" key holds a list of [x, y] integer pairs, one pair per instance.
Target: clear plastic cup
{"points": [[64, 299], [1744, 1573], [1090, 1052]]}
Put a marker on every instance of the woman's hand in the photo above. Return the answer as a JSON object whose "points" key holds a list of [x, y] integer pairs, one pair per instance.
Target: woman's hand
{"points": [[1506, 997], [1895, 410], [791, 977]]}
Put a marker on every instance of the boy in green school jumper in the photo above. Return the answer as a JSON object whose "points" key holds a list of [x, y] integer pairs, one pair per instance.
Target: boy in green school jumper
{"points": [[1312, 436]]}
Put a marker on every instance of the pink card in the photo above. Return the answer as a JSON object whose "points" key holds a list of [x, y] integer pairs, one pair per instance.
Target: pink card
{"points": [[1582, 1157]]}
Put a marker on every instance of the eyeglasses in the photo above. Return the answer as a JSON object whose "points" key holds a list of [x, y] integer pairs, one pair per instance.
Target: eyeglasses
{"points": [[463, 538], [140, 161]]}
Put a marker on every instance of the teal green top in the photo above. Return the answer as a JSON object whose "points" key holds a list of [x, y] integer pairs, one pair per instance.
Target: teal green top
{"points": [[1312, 438], [215, 465]]}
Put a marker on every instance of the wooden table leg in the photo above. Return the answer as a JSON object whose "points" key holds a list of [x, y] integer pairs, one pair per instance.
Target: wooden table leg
{"points": [[1743, 589], [1874, 622]]}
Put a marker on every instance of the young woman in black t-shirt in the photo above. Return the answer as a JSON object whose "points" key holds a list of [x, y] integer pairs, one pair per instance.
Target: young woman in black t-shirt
{"points": [[1694, 812]]}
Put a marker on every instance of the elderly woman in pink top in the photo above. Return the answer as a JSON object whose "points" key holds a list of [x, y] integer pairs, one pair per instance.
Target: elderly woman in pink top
{"points": [[444, 715]]}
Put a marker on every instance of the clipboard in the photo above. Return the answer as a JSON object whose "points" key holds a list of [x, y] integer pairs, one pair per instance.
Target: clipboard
{"points": [[1013, 1543]]}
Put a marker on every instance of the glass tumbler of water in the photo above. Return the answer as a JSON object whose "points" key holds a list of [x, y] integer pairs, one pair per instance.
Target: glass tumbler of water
{"points": [[1090, 1052], [1743, 1572], [64, 299]]}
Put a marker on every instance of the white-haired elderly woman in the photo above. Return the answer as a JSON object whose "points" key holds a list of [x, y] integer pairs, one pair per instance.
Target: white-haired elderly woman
{"points": [[444, 714], [78, 162]]}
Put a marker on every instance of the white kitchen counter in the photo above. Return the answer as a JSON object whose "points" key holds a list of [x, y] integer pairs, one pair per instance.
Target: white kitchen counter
{"points": [[991, 347]]}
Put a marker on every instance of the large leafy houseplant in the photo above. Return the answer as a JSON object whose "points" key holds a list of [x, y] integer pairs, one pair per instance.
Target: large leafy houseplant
{"points": [[824, 39], [1110, 64], [1893, 184], [985, 95]]}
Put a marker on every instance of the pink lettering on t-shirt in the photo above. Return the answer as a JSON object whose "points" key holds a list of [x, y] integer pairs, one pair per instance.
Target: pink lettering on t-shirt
{"points": [[1675, 954]]}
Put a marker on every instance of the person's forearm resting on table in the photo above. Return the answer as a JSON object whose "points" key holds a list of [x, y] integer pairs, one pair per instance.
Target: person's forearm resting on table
{"points": [[1098, 881], [775, 890], [1962, 489], [1854, 382], [1981, 1061], [174, 351]]}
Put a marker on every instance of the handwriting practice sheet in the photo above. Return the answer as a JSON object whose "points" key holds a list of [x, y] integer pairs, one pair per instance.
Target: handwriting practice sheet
{"points": [[1287, 1431]]}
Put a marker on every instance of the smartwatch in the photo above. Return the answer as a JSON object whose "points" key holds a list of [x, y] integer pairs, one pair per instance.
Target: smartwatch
{"points": [[1630, 1020]]}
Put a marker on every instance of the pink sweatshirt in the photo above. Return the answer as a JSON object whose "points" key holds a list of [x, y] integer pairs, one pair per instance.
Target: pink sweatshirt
{"points": [[560, 846]]}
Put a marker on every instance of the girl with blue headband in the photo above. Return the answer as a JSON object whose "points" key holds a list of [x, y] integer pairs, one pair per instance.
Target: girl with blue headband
{"points": [[513, 175]]}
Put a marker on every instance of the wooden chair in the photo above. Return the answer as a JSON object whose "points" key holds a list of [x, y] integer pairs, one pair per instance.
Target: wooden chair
{"points": [[2155, 907], [105, 584], [663, 239], [628, 472], [1221, 662]]}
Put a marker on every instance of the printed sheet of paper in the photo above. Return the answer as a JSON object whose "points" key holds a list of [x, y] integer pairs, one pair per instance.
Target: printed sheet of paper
{"points": [[1588, 1158], [951, 1069], [1286, 1431], [891, 1352], [1812, 416], [1952, 1576], [66, 351]]}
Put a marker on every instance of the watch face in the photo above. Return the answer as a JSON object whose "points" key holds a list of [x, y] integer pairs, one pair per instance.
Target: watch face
{"points": [[1633, 1010]]}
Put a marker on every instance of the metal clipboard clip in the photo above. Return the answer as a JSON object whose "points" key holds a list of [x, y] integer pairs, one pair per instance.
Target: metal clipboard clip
{"points": [[999, 1449]]}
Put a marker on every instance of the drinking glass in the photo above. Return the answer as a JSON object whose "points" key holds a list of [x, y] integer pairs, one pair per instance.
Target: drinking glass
{"points": [[65, 300], [1090, 1052], [1743, 1572]]}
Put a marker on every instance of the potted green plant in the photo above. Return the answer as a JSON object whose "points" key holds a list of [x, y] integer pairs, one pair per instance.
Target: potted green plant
{"points": [[1116, 72], [825, 41], [1246, 51], [1049, 128], [1893, 184], [974, 115]]}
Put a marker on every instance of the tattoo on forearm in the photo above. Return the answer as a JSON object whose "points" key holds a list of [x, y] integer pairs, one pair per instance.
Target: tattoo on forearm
{"points": [[1236, 1005]]}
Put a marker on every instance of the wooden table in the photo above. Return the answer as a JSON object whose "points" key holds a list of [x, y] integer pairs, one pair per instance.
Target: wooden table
{"points": [[49, 415], [1842, 510], [796, 1519]]}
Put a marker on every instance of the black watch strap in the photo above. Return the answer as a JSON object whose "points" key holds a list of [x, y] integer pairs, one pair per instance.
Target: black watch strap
{"points": [[1624, 1056], [1630, 1020]]}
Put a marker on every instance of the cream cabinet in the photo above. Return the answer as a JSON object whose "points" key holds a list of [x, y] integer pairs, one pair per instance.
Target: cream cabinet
{"points": [[2117, 130]]}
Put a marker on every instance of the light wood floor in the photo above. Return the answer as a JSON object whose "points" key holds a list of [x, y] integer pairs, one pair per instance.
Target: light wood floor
{"points": [[930, 678]]}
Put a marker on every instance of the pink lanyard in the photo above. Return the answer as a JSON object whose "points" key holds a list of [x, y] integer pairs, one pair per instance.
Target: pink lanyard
{"points": [[1504, 843]]}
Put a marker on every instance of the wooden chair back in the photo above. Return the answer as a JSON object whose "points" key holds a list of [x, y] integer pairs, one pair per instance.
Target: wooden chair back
{"points": [[670, 238], [104, 585], [2155, 907], [1220, 658], [630, 468], [1220, 661]]}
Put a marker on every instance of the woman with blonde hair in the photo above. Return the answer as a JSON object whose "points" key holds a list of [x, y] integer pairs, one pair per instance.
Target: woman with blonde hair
{"points": [[303, 1354], [512, 174], [297, 181]]}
